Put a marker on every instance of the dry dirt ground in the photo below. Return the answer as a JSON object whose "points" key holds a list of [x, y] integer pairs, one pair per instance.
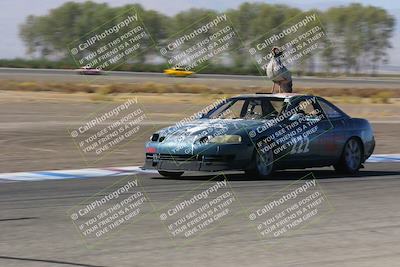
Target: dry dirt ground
{"points": [[34, 127]]}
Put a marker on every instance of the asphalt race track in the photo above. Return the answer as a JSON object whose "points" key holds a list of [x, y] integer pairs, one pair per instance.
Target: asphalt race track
{"points": [[362, 229], [234, 80]]}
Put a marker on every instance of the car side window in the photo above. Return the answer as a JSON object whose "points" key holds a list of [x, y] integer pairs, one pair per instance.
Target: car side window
{"points": [[304, 109], [254, 109], [329, 111], [307, 108]]}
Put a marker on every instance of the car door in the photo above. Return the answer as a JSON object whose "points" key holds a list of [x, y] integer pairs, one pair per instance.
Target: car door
{"points": [[334, 139], [306, 129]]}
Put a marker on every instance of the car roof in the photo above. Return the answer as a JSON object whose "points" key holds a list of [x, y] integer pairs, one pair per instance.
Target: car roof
{"points": [[269, 95]]}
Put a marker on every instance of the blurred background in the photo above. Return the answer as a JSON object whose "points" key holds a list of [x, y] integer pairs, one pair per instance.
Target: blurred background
{"points": [[365, 33]]}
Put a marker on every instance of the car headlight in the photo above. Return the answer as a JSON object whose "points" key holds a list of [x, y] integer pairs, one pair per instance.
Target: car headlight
{"points": [[226, 139]]}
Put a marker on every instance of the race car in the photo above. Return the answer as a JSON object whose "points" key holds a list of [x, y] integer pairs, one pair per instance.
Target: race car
{"points": [[88, 71], [260, 133], [178, 72]]}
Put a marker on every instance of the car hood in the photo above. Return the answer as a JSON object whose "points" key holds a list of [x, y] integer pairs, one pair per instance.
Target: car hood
{"points": [[194, 130]]}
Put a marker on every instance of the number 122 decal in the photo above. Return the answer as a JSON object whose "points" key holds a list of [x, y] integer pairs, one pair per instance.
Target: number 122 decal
{"points": [[301, 146]]}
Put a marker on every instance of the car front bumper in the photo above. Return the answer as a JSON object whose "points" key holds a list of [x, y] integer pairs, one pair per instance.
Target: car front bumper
{"points": [[195, 163], [205, 158]]}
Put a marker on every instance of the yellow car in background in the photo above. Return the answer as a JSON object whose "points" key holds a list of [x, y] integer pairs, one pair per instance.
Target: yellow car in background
{"points": [[178, 72]]}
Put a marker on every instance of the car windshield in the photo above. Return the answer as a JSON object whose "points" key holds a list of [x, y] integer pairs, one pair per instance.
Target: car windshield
{"points": [[248, 108]]}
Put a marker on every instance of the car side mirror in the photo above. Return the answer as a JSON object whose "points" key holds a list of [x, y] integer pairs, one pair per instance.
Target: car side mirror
{"points": [[295, 117]]}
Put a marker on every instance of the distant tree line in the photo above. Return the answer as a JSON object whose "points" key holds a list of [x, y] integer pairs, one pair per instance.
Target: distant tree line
{"points": [[360, 34]]}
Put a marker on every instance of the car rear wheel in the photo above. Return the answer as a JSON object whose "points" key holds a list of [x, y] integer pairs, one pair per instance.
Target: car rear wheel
{"points": [[351, 159], [170, 174], [263, 165]]}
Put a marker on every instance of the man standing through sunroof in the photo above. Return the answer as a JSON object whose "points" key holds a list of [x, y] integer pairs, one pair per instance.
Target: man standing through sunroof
{"points": [[278, 73]]}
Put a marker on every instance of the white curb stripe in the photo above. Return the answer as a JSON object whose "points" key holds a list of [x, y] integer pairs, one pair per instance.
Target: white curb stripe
{"points": [[384, 158], [71, 174]]}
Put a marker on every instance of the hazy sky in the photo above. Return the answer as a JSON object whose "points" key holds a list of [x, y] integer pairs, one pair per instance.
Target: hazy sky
{"points": [[14, 12]]}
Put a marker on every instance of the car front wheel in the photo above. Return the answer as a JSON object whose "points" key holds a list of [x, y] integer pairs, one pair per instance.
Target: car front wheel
{"points": [[263, 165]]}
